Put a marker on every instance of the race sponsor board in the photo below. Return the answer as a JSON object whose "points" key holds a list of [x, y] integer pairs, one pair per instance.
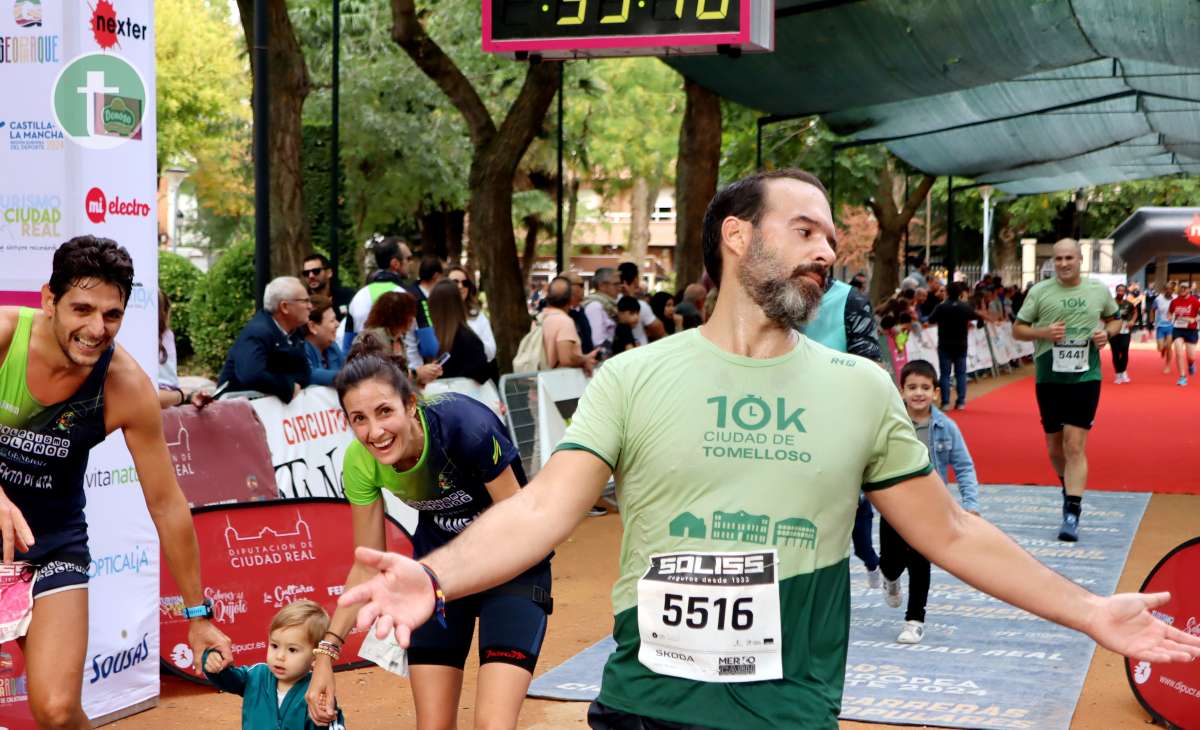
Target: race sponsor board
{"points": [[256, 558], [1171, 692], [208, 466]]}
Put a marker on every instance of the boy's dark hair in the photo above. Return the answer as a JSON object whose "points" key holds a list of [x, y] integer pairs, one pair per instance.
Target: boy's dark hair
{"points": [[628, 271], [91, 257], [628, 304], [923, 368], [744, 199], [904, 318], [431, 266]]}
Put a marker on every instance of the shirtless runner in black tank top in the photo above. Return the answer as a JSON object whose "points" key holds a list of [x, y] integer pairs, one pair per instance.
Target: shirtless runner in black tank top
{"points": [[79, 386]]}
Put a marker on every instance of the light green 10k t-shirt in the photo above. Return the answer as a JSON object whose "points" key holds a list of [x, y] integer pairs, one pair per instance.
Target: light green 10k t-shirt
{"points": [[717, 453], [1081, 307]]}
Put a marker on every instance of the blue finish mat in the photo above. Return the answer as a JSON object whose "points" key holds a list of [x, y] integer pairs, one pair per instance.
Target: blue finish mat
{"points": [[982, 663]]}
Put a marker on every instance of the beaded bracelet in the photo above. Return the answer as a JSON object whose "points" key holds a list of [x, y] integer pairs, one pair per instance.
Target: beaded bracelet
{"points": [[439, 597], [333, 655]]}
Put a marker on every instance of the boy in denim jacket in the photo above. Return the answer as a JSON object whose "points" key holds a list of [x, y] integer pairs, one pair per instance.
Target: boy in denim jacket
{"points": [[918, 388]]}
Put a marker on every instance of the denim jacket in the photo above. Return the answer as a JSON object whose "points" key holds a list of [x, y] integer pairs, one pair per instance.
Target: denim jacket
{"points": [[947, 448]]}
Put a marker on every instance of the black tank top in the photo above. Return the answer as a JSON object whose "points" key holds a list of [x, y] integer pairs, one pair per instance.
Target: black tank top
{"points": [[42, 465]]}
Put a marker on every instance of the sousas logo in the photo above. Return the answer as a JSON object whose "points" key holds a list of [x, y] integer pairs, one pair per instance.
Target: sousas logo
{"points": [[105, 667], [98, 207]]}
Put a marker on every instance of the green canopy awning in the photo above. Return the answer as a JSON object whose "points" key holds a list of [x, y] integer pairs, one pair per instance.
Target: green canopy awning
{"points": [[1027, 95]]}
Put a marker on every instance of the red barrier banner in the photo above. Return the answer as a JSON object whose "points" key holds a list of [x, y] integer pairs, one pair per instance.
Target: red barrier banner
{"points": [[14, 707], [257, 557], [220, 453], [1171, 692]]}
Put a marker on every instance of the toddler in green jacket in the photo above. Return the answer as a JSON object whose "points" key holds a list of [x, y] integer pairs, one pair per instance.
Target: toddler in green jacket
{"points": [[273, 692]]}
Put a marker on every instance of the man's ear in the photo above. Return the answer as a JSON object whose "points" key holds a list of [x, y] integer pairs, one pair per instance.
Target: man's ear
{"points": [[47, 300]]}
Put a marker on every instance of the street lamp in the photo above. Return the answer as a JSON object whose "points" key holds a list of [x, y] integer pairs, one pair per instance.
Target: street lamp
{"points": [[1081, 204], [175, 176]]}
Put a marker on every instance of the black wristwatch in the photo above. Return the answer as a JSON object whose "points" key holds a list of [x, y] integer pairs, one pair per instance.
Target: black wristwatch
{"points": [[204, 610]]}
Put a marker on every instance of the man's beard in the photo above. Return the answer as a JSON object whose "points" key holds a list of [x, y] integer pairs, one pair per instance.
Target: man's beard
{"points": [[787, 298]]}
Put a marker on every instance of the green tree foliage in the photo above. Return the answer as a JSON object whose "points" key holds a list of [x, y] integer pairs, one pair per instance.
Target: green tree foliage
{"points": [[222, 305], [315, 158], [179, 279]]}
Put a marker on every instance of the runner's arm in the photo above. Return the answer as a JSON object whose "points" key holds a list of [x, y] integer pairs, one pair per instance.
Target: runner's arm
{"points": [[369, 531], [978, 553], [543, 514], [503, 486]]}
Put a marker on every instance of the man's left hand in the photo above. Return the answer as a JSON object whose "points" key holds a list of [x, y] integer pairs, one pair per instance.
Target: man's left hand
{"points": [[1100, 337], [1123, 623], [203, 634]]}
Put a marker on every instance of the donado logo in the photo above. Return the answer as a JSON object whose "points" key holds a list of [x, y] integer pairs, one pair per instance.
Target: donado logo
{"points": [[99, 207], [99, 100]]}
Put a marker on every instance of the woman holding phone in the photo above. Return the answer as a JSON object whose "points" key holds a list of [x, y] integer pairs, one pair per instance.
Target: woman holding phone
{"points": [[455, 337], [450, 458]]}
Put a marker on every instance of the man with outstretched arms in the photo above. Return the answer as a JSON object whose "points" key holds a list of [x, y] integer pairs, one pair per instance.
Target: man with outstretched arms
{"points": [[1069, 318], [739, 451], [64, 386]]}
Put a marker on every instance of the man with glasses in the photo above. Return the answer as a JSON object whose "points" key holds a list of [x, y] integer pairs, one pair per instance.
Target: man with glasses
{"points": [[317, 274], [601, 307], [576, 311], [268, 355]]}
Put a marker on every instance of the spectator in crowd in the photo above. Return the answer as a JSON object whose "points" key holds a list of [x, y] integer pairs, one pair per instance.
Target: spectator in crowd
{"points": [[859, 281], [710, 303], [1137, 300], [391, 258], [663, 306], [421, 343], [953, 318], [648, 327], [1017, 298], [920, 296], [325, 358], [921, 276], [560, 338], [629, 314], [909, 283], [318, 276], [455, 337], [690, 306], [982, 302], [268, 355], [394, 316], [537, 296], [601, 307], [582, 327], [936, 295], [169, 392], [477, 320], [1119, 343]]}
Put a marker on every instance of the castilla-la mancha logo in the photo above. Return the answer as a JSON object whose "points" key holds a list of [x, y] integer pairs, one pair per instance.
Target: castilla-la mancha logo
{"points": [[1193, 230]]}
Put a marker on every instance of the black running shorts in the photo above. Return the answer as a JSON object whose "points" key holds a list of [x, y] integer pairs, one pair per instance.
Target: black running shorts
{"points": [[1068, 404]]}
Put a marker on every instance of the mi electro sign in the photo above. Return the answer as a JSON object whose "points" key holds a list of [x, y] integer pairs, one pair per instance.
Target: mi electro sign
{"points": [[590, 28]]}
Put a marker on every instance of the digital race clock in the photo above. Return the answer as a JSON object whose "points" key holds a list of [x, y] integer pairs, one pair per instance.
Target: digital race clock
{"points": [[585, 28]]}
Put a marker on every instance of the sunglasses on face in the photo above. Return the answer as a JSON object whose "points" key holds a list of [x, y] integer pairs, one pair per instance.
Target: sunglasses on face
{"points": [[459, 282], [313, 272]]}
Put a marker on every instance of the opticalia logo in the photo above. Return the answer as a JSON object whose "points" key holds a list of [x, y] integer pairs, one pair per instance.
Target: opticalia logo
{"points": [[104, 667], [98, 207], [132, 560], [98, 99], [109, 30], [33, 215], [32, 135]]}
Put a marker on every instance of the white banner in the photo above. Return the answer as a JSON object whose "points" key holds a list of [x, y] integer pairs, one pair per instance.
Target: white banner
{"points": [[979, 357], [77, 156]]}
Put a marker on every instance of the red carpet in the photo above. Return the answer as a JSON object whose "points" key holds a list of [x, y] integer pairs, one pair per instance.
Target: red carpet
{"points": [[1146, 437]]}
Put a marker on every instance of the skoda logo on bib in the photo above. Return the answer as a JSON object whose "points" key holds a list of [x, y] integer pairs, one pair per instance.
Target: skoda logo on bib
{"points": [[711, 617], [1071, 356]]}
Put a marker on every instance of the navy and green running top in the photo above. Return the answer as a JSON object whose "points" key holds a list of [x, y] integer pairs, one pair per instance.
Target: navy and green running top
{"points": [[466, 446]]}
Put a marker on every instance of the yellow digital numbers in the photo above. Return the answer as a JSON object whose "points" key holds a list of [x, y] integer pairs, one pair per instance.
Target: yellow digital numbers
{"points": [[578, 18], [702, 13], [620, 17]]}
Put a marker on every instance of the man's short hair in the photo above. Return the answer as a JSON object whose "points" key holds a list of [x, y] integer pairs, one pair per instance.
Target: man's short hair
{"points": [[923, 368], [305, 613], [558, 293], [604, 275], [386, 250], [90, 257], [278, 290], [314, 256], [954, 291], [628, 304], [745, 200], [431, 266], [628, 272]]}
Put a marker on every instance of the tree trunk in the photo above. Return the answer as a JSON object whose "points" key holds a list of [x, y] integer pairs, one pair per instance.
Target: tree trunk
{"points": [[289, 86], [572, 219], [893, 219], [695, 178], [642, 202], [454, 236], [533, 226], [497, 152]]}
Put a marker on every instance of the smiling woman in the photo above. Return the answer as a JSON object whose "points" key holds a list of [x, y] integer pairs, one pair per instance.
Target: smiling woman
{"points": [[450, 458]]}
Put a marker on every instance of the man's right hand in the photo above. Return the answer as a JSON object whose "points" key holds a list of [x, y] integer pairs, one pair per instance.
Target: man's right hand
{"points": [[14, 530], [322, 696], [400, 595], [1056, 332], [590, 360]]}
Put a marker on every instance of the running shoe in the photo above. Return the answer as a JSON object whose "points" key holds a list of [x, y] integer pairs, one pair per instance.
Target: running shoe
{"points": [[597, 512], [1182, 380], [960, 406], [892, 595], [1119, 379], [1069, 532], [1127, 378], [874, 578], [912, 633]]}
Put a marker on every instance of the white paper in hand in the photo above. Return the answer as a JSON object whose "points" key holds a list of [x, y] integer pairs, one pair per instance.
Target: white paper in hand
{"points": [[387, 653]]}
